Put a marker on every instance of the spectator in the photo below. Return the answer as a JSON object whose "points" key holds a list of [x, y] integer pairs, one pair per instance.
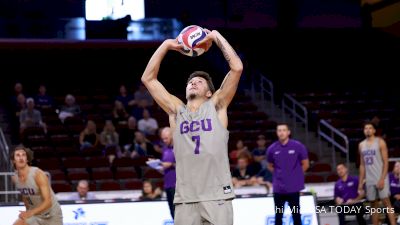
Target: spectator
{"points": [[346, 194], [142, 147], [150, 191], [18, 90], [128, 134], [109, 138], [120, 115], [243, 174], [143, 94], [260, 151], [89, 137], [240, 150], [31, 117], [82, 192], [137, 111], [147, 124], [42, 99], [20, 105], [264, 177], [124, 97], [70, 108], [394, 180]]}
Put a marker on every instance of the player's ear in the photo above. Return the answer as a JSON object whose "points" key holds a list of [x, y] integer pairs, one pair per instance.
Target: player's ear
{"points": [[209, 94]]}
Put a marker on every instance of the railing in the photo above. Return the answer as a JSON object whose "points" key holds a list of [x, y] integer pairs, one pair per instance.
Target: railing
{"points": [[333, 136], [296, 110], [5, 192], [4, 158], [267, 89]]}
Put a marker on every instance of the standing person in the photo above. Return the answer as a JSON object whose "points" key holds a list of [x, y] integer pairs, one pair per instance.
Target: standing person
{"points": [[40, 201], [288, 160], [204, 189], [168, 166], [374, 166], [346, 193]]}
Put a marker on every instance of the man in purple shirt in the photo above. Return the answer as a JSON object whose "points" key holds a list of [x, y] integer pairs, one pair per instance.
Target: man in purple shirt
{"points": [[346, 193], [168, 164], [287, 160], [394, 181]]}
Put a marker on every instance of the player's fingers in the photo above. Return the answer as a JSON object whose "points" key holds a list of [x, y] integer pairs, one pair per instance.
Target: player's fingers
{"points": [[207, 30]]}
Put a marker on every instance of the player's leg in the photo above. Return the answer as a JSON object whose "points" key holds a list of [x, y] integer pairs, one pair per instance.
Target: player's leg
{"points": [[384, 195], [19, 222], [219, 212], [373, 198], [294, 204], [187, 214], [279, 200], [170, 198]]}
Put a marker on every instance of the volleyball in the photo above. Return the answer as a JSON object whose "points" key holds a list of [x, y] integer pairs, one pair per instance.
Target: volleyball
{"points": [[189, 37]]}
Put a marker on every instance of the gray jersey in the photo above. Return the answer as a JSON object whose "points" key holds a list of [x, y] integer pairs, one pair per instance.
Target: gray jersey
{"points": [[201, 153], [31, 192], [373, 162]]}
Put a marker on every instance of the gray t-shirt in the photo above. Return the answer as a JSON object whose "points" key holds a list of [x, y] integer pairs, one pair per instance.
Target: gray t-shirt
{"points": [[373, 162]]}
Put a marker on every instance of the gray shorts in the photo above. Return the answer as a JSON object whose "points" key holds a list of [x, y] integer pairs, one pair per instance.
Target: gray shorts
{"points": [[373, 193], [54, 219], [219, 212]]}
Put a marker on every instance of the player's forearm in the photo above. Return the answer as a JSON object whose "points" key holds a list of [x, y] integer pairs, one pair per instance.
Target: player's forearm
{"points": [[385, 169], [153, 66], [41, 208], [361, 176], [229, 53]]}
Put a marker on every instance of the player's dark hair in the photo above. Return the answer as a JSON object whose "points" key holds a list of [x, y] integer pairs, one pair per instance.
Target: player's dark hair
{"points": [[28, 151], [204, 75]]}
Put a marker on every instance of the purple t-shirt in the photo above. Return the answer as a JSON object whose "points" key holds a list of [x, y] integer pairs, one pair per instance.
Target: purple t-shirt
{"points": [[394, 184], [346, 189], [169, 173], [288, 176]]}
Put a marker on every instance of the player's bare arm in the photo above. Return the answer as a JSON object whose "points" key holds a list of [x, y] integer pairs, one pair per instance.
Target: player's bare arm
{"points": [[169, 103], [384, 154], [43, 184], [362, 171], [224, 95]]}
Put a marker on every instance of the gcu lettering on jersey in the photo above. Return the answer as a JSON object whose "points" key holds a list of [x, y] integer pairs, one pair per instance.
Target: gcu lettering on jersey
{"points": [[369, 152], [26, 191], [194, 126]]}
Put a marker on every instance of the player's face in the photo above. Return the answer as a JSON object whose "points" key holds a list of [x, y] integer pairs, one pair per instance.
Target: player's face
{"points": [[20, 159], [369, 130], [166, 137], [396, 168], [283, 132], [341, 170], [197, 87]]}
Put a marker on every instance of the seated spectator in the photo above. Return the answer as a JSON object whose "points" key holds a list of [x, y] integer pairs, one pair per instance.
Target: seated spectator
{"points": [[346, 193], [264, 177], [259, 152], [147, 124], [20, 105], [109, 138], [150, 191], [70, 108], [119, 113], [142, 147], [244, 174], [128, 134], [124, 97], [82, 192], [143, 94], [42, 99], [31, 117], [89, 137], [137, 111], [394, 180], [240, 150]]}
